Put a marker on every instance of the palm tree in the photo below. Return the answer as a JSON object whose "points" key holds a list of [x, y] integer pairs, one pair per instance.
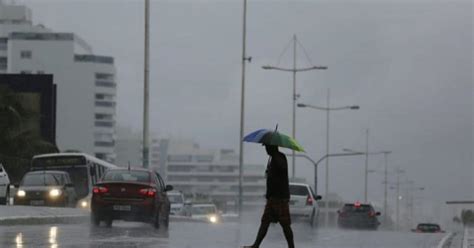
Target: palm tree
{"points": [[19, 140]]}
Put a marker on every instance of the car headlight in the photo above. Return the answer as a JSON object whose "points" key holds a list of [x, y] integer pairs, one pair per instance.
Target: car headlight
{"points": [[213, 219], [84, 204], [55, 192], [21, 193]]}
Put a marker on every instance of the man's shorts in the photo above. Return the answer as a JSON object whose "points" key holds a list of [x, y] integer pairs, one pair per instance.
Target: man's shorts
{"points": [[277, 210]]}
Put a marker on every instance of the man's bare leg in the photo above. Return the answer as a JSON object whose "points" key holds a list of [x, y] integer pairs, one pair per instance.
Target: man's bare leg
{"points": [[288, 235], [262, 231]]}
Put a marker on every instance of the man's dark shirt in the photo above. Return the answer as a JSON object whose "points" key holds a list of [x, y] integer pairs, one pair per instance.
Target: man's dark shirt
{"points": [[277, 177]]}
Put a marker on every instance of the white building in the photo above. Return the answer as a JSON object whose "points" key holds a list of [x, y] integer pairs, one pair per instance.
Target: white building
{"points": [[86, 86], [128, 147], [210, 175]]}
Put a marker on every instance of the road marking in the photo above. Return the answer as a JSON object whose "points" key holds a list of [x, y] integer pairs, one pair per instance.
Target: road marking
{"points": [[444, 240]]}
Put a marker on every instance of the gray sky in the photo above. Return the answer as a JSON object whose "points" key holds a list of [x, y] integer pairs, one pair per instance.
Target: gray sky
{"points": [[407, 64]]}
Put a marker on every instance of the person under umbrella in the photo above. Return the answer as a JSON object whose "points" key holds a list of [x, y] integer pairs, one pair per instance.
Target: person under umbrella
{"points": [[278, 188]]}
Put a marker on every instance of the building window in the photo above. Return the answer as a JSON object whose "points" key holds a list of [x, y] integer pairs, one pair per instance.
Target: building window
{"points": [[3, 63], [3, 44], [107, 84], [104, 144], [25, 54], [104, 117], [101, 96], [104, 123], [104, 76], [104, 104]]}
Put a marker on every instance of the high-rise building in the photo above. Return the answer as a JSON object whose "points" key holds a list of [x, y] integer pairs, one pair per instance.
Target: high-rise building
{"points": [[86, 83]]}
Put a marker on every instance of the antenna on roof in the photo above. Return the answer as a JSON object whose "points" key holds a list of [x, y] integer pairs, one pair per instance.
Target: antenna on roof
{"points": [[128, 165]]}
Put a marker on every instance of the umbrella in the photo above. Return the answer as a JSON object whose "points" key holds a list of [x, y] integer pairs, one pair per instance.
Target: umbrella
{"points": [[273, 137]]}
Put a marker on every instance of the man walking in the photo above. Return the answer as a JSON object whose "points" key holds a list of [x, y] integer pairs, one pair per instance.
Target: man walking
{"points": [[278, 196]]}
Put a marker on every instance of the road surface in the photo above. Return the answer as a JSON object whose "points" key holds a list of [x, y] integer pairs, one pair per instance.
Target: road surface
{"points": [[202, 235]]}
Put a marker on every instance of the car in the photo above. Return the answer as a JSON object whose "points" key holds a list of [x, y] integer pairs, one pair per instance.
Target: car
{"points": [[428, 228], [206, 212], [46, 188], [357, 215], [177, 203], [131, 195], [303, 202], [4, 186]]}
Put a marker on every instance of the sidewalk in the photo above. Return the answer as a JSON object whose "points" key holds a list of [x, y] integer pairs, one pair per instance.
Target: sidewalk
{"points": [[16, 215], [468, 241]]}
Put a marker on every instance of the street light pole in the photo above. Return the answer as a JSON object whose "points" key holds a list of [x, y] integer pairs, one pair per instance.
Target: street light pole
{"points": [[385, 193], [294, 70], [366, 182], [293, 161], [328, 109], [242, 108], [146, 87]]}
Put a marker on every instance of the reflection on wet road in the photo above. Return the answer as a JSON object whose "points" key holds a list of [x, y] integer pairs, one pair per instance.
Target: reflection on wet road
{"points": [[201, 235]]}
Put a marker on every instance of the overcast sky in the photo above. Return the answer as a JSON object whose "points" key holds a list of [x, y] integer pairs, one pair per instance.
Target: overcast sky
{"points": [[408, 64]]}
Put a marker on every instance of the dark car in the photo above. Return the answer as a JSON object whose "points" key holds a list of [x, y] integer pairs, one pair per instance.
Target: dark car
{"points": [[428, 228], [356, 215], [131, 195], [46, 188]]}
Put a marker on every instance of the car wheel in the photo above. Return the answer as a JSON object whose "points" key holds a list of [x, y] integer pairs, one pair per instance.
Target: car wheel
{"points": [[311, 219], [95, 220], [109, 221], [156, 220]]}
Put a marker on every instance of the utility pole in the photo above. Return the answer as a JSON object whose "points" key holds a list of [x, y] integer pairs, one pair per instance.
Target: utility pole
{"points": [[146, 138], [294, 70], [397, 214], [385, 193], [328, 106], [366, 165], [293, 158], [242, 108]]}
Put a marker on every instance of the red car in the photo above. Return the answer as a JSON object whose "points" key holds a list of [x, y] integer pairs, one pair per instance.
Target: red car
{"points": [[131, 195]]}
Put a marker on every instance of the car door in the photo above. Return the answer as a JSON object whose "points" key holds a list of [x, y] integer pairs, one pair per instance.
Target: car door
{"points": [[163, 197]]}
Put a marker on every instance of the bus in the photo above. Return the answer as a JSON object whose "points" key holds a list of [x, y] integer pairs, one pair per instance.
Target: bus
{"points": [[84, 171]]}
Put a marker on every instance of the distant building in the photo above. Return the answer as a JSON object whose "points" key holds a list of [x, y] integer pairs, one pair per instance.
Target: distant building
{"points": [[210, 175], [86, 83], [128, 147], [38, 96]]}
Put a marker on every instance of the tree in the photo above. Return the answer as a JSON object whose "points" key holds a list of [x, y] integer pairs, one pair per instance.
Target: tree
{"points": [[20, 139], [467, 217]]}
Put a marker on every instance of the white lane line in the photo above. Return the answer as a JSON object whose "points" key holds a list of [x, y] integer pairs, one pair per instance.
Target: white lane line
{"points": [[443, 241]]}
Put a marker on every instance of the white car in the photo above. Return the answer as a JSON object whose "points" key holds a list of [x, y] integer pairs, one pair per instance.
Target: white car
{"points": [[4, 186], [303, 202], [206, 212], [177, 202]]}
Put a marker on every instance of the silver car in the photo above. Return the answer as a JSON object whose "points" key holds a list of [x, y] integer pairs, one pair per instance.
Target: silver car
{"points": [[303, 203]]}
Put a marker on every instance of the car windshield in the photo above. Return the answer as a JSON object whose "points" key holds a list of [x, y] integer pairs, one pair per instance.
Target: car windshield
{"points": [[175, 198], [127, 176], [41, 179], [203, 210], [428, 227], [298, 190], [357, 209]]}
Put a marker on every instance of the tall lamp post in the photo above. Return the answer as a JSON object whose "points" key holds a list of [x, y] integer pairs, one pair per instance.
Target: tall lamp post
{"points": [[146, 86], [242, 106], [328, 109], [294, 70]]}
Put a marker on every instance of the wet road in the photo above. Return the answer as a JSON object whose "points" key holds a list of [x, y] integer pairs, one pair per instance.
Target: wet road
{"points": [[202, 235]]}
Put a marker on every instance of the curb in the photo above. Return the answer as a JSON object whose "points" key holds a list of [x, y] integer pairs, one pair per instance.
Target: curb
{"points": [[42, 220]]}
